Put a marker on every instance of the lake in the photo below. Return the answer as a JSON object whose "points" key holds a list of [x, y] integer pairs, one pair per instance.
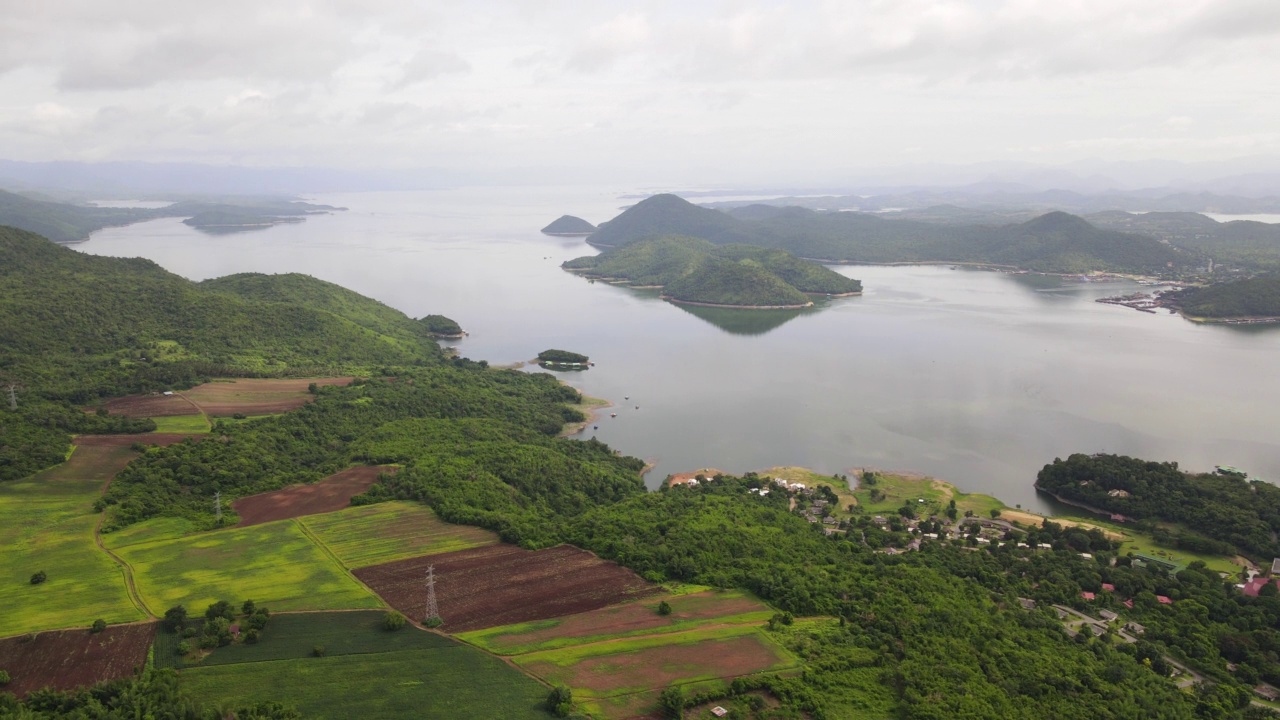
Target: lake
{"points": [[978, 378]]}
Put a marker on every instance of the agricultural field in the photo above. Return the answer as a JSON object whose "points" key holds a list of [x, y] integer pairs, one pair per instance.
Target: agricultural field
{"points": [[246, 396], [276, 564], [125, 441], [154, 405], [389, 531], [503, 584], [47, 524], [66, 659], [447, 680], [193, 424], [332, 493], [622, 677], [688, 611]]}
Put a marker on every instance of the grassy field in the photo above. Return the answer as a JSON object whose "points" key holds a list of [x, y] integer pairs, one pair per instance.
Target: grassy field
{"points": [[813, 479], [274, 564], [293, 636], [47, 523], [688, 612], [375, 534], [451, 680], [182, 424], [895, 489]]}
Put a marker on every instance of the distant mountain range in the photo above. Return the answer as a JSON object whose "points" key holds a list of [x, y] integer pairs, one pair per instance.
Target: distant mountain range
{"points": [[1053, 242]]}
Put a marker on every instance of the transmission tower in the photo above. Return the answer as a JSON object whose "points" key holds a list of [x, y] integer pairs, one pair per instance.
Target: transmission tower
{"points": [[217, 505], [13, 396], [433, 611]]}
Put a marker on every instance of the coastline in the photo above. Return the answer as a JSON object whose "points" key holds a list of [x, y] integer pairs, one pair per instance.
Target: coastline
{"points": [[591, 407]]}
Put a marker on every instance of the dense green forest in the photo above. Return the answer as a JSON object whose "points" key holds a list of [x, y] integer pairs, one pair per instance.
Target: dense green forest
{"points": [[1253, 297], [563, 356], [569, 225], [695, 270], [1055, 242], [1244, 243], [441, 326], [1243, 514]]}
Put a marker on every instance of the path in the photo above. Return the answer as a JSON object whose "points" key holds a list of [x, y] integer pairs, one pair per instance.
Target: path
{"points": [[130, 586]]}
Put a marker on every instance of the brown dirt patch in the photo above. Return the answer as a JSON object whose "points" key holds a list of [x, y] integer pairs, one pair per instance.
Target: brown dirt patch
{"points": [[682, 478], [505, 584], [248, 396], [151, 406], [635, 616], [660, 666], [67, 659], [1026, 518], [332, 493], [161, 439]]}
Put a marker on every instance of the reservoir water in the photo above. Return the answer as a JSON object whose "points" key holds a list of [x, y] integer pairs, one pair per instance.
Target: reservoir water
{"points": [[978, 378]]}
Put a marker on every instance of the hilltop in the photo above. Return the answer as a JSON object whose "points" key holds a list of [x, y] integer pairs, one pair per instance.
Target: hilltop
{"points": [[1053, 242], [698, 271], [570, 226]]}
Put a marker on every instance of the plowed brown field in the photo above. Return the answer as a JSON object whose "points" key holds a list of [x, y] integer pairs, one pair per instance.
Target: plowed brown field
{"points": [[332, 493], [249, 396], [161, 439], [504, 584], [68, 659]]}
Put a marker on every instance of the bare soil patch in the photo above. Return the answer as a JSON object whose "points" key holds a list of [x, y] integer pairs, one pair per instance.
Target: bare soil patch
{"points": [[67, 659], [332, 493], [256, 396], [1027, 518], [504, 584], [161, 439], [635, 616], [151, 406], [660, 666]]}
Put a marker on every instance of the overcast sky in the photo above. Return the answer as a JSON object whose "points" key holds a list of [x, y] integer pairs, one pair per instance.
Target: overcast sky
{"points": [[651, 91]]}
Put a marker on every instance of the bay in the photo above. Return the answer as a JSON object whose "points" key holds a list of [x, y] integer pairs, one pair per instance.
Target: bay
{"points": [[978, 378]]}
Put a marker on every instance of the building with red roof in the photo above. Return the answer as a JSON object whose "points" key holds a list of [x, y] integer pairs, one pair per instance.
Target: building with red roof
{"points": [[1108, 587], [1087, 595], [1163, 600], [1252, 587]]}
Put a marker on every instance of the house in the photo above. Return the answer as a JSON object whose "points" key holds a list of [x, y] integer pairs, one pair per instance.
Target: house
{"points": [[1267, 692], [1164, 600], [1097, 630], [1275, 566], [1128, 604], [779, 482], [1088, 595], [1027, 603], [719, 711], [1062, 614], [1135, 628], [1108, 587], [1108, 616], [1118, 518], [829, 520], [1044, 546], [1086, 556], [1254, 586]]}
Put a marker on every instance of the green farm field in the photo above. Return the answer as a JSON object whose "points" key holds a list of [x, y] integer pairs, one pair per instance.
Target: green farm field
{"points": [[47, 523], [449, 680], [275, 564], [195, 424], [688, 612], [375, 534]]}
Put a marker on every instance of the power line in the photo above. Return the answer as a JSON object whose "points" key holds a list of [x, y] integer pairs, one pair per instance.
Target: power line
{"points": [[433, 611], [217, 505]]}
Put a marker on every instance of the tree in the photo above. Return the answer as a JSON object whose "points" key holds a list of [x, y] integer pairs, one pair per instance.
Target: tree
{"points": [[98, 626], [39, 577], [4, 678], [220, 609], [672, 702], [175, 618], [317, 651], [184, 648], [995, 513], [664, 608], [248, 607], [251, 636], [560, 701], [392, 621]]}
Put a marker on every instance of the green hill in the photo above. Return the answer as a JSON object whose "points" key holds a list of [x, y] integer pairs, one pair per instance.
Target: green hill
{"points": [[1255, 297], [695, 270], [75, 325], [63, 222], [569, 225], [1055, 242]]}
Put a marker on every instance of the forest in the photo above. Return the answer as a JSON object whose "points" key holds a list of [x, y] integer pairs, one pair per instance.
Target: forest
{"points": [[1252, 297], [1054, 242], [1242, 514]]}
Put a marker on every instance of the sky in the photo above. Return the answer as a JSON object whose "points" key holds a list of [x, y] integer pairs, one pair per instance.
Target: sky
{"points": [[691, 91]]}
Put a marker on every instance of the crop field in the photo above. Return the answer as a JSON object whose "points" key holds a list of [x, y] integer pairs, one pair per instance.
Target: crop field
{"points": [[276, 564], [332, 493], [290, 636], [247, 396], [68, 659], [503, 584], [451, 680], [151, 406], [640, 617], [381, 533], [155, 438], [47, 524], [194, 424], [644, 664]]}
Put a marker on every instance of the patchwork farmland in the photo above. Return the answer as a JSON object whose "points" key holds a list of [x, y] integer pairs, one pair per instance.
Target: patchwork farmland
{"points": [[66, 659], [504, 584], [332, 493], [381, 533], [223, 398]]}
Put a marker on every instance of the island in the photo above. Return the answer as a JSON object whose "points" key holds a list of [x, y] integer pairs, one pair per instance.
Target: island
{"points": [[231, 220], [569, 226], [563, 359], [442, 327], [698, 272]]}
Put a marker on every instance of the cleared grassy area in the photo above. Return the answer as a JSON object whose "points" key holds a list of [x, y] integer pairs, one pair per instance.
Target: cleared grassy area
{"points": [[688, 612], [449, 681], [148, 531], [375, 534], [892, 490], [182, 424], [47, 524], [274, 564], [294, 636]]}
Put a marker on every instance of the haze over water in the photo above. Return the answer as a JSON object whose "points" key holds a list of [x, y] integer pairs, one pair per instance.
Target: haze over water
{"points": [[978, 378]]}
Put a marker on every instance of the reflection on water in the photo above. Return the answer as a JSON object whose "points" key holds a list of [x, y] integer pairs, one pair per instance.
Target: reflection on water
{"points": [[745, 322]]}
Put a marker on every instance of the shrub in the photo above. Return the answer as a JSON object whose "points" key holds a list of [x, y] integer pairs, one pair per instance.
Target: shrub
{"points": [[4, 678], [672, 702], [175, 618], [560, 701], [98, 626], [251, 637], [39, 578], [317, 651], [184, 648], [664, 608], [220, 609], [248, 607], [392, 620], [433, 622]]}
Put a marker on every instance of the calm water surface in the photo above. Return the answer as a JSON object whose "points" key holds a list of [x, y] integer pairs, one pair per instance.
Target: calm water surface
{"points": [[979, 378]]}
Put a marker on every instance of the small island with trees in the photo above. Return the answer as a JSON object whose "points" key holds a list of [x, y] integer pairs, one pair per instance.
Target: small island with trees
{"points": [[563, 359], [569, 226], [698, 272]]}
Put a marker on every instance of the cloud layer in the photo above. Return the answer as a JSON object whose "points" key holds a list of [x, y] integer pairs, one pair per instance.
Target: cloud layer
{"points": [[681, 92]]}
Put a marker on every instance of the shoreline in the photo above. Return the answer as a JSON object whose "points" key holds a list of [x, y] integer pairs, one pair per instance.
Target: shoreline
{"points": [[591, 407]]}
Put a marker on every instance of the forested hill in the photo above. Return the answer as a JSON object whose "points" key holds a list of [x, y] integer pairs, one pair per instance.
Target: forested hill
{"points": [[1055, 242], [77, 326], [1254, 297], [1240, 515], [63, 222], [696, 270]]}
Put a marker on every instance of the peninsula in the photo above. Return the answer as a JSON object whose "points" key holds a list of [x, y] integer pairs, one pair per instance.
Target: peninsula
{"points": [[698, 272]]}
